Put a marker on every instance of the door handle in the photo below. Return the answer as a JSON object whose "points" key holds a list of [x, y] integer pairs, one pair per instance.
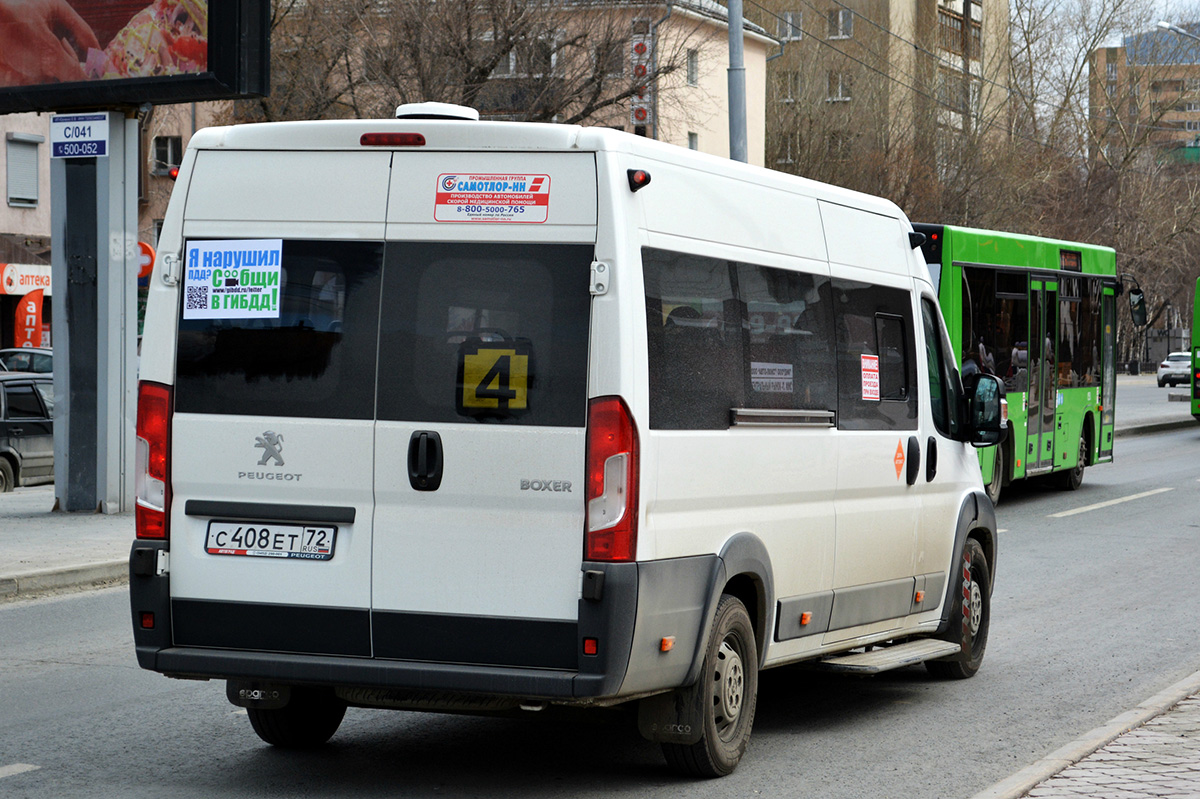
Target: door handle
{"points": [[930, 459], [914, 460], [425, 460]]}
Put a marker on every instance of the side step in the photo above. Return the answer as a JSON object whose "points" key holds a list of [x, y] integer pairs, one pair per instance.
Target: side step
{"points": [[890, 657]]}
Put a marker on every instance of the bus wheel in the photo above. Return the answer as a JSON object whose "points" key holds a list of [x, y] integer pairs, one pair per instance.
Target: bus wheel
{"points": [[309, 719], [727, 691], [997, 482], [1071, 480], [974, 596]]}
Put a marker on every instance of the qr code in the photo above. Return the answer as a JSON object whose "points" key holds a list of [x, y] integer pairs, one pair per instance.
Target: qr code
{"points": [[197, 298]]}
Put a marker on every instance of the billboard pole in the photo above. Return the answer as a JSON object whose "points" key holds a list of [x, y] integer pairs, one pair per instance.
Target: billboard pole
{"points": [[93, 177]]}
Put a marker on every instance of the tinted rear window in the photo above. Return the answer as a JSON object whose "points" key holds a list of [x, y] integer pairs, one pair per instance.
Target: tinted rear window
{"points": [[487, 333], [317, 359]]}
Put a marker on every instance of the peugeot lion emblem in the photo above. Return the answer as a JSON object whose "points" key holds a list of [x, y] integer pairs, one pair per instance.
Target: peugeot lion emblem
{"points": [[271, 443]]}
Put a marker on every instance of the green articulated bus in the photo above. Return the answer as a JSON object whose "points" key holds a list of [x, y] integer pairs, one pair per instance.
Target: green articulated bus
{"points": [[1196, 353], [1040, 314]]}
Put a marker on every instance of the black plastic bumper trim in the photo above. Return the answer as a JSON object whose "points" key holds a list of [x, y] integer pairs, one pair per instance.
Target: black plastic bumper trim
{"points": [[277, 628], [486, 640], [329, 670]]}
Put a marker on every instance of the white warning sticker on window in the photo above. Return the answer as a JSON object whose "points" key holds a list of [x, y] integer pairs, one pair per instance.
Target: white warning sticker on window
{"points": [[492, 198], [771, 378], [870, 377]]}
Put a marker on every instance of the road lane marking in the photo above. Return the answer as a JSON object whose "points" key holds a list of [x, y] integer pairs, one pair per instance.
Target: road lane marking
{"points": [[1100, 505], [15, 769]]}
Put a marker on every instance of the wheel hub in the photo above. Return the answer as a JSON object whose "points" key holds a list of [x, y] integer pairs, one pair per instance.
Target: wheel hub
{"points": [[730, 682], [976, 606]]}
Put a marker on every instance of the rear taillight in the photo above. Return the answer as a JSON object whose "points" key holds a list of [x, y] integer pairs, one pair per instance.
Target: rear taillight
{"points": [[153, 446], [612, 482]]}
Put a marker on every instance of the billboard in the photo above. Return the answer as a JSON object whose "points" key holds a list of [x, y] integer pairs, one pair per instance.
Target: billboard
{"points": [[58, 55]]}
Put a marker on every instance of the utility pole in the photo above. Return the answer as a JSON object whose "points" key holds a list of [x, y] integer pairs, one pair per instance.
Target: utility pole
{"points": [[738, 147]]}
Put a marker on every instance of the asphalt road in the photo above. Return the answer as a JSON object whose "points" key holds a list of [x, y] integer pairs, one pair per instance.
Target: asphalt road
{"points": [[1093, 612]]}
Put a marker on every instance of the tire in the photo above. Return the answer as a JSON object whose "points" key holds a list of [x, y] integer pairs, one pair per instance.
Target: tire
{"points": [[974, 596], [1073, 479], [1161, 382], [308, 720], [7, 483], [997, 482], [727, 693]]}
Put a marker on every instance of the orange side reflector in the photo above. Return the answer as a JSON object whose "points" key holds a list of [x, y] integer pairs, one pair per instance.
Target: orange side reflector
{"points": [[805, 618], [667, 644], [920, 596]]}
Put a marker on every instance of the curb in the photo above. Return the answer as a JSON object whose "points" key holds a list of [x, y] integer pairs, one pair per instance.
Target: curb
{"points": [[70, 577], [1035, 774], [1155, 427]]}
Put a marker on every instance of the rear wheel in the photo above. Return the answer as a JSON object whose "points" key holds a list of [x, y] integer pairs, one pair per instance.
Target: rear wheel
{"points": [[997, 482], [970, 628], [6, 477], [310, 718], [1071, 480], [727, 692]]}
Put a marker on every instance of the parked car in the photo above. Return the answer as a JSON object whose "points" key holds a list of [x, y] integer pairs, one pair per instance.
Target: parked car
{"points": [[1176, 368], [26, 429], [27, 359]]}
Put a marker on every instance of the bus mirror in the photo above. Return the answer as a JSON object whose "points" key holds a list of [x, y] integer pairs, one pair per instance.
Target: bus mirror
{"points": [[1137, 307], [986, 425]]}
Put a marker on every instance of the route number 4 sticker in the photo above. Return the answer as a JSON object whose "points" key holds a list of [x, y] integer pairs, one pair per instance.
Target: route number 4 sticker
{"points": [[494, 377]]}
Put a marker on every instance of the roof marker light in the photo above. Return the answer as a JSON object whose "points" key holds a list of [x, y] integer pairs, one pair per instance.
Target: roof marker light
{"points": [[392, 140]]}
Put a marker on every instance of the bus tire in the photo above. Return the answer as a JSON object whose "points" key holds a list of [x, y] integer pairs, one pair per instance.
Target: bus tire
{"points": [[974, 595], [309, 719], [1073, 478], [726, 693], [997, 482]]}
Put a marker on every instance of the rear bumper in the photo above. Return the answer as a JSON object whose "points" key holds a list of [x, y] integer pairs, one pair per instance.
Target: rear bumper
{"points": [[628, 608]]}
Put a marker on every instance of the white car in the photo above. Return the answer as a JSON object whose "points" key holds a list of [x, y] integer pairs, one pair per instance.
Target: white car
{"points": [[1175, 368]]}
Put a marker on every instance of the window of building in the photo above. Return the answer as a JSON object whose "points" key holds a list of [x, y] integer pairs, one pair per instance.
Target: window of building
{"points": [[789, 27], [21, 159], [693, 67], [841, 23], [787, 85], [838, 145], [1192, 125], [532, 58], [158, 223], [693, 141], [1191, 106], [789, 149], [168, 153], [609, 58], [1110, 70], [837, 86]]}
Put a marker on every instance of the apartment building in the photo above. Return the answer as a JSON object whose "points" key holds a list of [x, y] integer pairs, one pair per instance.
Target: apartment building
{"points": [[854, 79], [1144, 97]]}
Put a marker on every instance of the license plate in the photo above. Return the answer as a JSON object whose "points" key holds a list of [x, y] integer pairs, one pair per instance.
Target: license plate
{"points": [[307, 542]]}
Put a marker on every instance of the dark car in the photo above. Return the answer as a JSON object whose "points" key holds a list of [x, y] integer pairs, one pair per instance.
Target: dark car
{"points": [[27, 359], [26, 429]]}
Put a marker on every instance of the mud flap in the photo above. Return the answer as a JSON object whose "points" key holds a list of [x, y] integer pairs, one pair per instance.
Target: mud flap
{"points": [[667, 718]]}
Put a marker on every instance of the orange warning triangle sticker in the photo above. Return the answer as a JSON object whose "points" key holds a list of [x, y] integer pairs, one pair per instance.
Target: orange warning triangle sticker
{"points": [[899, 458]]}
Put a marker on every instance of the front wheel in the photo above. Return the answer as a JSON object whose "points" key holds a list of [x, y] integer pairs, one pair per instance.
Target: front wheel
{"points": [[971, 627], [6, 477], [727, 692], [310, 718]]}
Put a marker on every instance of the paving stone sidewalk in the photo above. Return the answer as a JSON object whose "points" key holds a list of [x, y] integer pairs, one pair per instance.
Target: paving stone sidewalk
{"points": [[1158, 760]]}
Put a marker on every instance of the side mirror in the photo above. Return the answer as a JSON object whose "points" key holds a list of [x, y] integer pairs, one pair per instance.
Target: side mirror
{"points": [[986, 423], [1137, 307]]}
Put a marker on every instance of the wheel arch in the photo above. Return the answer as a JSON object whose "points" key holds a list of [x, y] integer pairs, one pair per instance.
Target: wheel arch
{"points": [[976, 520]]}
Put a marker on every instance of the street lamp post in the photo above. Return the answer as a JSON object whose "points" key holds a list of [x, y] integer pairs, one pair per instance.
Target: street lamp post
{"points": [[1173, 28]]}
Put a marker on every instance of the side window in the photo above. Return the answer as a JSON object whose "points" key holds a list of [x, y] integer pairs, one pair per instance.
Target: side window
{"points": [[789, 341], [943, 378], [876, 357], [46, 390], [489, 333], [23, 402], [694, 337]]}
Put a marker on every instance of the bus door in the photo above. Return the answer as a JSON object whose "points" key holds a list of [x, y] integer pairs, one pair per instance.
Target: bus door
{"points": [[1108, 370], [1043, 374]]}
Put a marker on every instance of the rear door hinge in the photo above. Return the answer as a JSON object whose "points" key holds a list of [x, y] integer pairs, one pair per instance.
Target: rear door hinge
{"points": [[171, 264], [601, 277]]}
